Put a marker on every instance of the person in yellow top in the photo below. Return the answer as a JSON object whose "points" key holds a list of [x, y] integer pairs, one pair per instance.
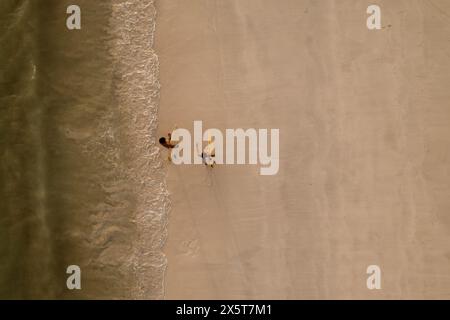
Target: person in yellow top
{"points": [[208, 154]]}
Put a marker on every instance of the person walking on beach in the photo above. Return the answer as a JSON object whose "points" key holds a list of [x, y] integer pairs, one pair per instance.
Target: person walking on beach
{"points": [[167, 143], [208, 155], [208, 159]]}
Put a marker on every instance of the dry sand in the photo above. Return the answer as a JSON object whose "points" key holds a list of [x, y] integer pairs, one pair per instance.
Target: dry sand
{"points": [[364, 148]]}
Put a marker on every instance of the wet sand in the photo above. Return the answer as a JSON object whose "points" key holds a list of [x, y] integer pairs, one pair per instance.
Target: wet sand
{"points": [[364, 148]]}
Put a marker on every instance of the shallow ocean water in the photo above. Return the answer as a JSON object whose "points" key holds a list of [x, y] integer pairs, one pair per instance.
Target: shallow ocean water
{"points": [[82, 178]]}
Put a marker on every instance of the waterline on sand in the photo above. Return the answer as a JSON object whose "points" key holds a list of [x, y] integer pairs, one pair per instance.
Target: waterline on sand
{"points": [[137, 94]]}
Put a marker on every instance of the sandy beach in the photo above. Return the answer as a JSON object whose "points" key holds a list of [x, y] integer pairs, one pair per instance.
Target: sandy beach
{"points": [[364, 174], [357, 179]]}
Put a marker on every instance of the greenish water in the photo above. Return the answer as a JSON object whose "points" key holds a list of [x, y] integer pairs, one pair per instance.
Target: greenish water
{"points": [[69, 146]]}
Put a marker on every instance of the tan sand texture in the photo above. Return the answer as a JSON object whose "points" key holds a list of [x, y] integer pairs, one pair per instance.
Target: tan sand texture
{"points": [[364, 173]]}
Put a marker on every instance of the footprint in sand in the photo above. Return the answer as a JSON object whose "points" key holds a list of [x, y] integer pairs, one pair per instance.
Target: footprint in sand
{"points": [[190, 247]]}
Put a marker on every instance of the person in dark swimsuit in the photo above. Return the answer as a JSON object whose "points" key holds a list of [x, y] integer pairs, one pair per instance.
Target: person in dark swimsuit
{"points": [[167, 143]]}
